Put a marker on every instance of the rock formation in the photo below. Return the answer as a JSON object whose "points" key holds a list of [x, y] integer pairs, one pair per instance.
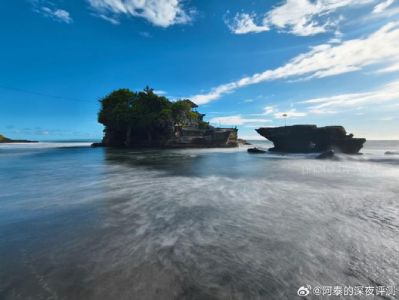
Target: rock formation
{"points": [[310, 138], [145, 119]]}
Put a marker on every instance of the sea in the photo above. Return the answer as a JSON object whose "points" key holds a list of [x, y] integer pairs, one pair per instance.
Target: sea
{"points": [[91, 223]]}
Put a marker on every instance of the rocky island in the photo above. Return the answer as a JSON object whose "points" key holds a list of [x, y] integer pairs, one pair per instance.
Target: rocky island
{"points": [[6, 140], [310, 138], [145, 119]]}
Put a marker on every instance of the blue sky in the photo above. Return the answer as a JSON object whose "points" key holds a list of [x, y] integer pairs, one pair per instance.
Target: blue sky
{"points": [[245, 62]]}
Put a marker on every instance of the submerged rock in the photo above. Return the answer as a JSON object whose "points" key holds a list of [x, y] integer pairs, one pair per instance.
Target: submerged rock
{"points": [[310, 138]]}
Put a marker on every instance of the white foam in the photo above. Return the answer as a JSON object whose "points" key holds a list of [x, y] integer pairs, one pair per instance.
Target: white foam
{"points": [[44, 145]]}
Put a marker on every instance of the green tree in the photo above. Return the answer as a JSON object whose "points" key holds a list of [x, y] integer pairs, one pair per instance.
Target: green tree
{"points": [[151, 114], [144, 118], [116, 115], [136, 117]]}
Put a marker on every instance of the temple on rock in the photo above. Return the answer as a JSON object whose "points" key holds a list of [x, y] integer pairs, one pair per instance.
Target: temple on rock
{"points": [[144, 119]]}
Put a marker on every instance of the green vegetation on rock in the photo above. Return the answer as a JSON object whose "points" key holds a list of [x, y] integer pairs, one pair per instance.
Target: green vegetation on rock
{"points": [[145, 118]]}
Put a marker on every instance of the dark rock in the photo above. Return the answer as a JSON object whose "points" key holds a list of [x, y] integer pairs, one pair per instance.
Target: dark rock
{"points": [[256, 150], [310, 138], [391, 153], [326, 155], [96, 145]]}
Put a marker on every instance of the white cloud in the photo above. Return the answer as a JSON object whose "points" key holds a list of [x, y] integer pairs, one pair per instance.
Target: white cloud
{"points": [[145, 34], [319, 111], [335, 41], [245, 23], [379, 8], [390, 68], [387, 93], [292, 113], [113, 21], [277, 114], [239, 120], [163, 13], [299, 17], [281, 114], [380, 47], [60, 15], [236, 120], [269, 110], [160, 92], [386, 119]]}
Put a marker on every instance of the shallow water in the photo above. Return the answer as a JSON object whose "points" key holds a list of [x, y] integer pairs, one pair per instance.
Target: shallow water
{"points": [[84, 223]]}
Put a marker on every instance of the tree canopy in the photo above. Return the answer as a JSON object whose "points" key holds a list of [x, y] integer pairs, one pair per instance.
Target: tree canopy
{"points": [[144, 117]]}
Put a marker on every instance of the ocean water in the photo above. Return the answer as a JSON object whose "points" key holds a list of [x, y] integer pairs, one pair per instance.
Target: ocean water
{"points": [[91, 223]]}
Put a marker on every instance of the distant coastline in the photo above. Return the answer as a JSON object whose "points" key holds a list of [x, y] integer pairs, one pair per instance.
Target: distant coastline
{"points": [[5, 140]]}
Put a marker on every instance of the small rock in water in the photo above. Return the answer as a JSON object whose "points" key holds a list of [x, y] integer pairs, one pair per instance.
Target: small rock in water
{"points": [[256, 150], [391, 153]]}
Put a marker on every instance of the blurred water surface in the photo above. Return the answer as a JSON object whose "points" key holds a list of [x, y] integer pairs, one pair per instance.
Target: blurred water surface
{"points": [[90, 223]]}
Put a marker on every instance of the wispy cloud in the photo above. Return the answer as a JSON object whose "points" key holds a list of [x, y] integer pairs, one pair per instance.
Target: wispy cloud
{"points": [[273, 112], [386, 119], [237, 120], [268, 110], [387, 93], [390, 68], [109, 19], [382, 6], [380, 47], [278, 114], [160, 92], [163, 13], [145, 34], [56, 14], [299, 17], [245, 23]]}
